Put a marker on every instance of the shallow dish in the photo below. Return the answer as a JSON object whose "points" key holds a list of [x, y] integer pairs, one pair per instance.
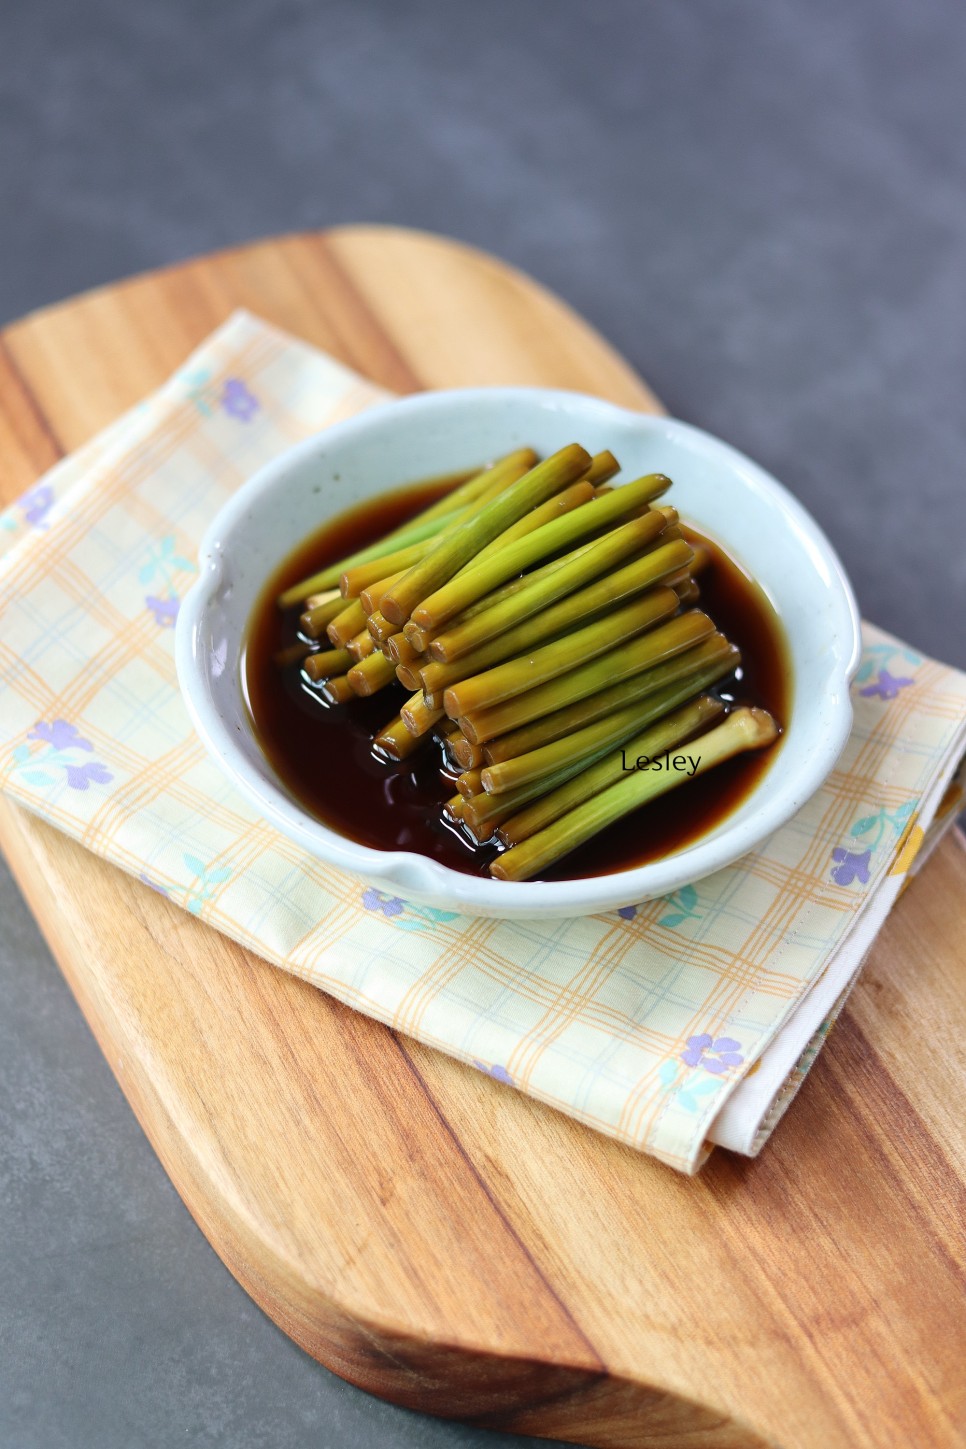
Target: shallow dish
{"points": [[716, 488]]}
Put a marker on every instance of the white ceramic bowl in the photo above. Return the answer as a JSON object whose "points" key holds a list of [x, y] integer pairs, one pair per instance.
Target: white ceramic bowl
{"points": [[718, 489]]}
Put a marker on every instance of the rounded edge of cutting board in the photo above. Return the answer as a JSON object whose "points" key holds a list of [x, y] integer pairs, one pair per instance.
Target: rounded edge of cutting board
{"points": [[486, 1258]]}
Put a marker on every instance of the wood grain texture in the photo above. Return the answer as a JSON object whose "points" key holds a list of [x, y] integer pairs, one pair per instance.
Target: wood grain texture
{"points": [[425, 1232]]}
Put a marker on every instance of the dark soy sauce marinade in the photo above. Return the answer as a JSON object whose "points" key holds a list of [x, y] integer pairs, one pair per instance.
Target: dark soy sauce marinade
{"points": [[323, 754]]}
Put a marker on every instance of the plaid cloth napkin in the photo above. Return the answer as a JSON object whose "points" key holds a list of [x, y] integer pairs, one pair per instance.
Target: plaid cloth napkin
{"points": [[672, 1026]]}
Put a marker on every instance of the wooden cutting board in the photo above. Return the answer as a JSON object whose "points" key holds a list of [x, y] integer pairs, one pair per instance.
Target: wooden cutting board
{"points": [[422, 1230]]}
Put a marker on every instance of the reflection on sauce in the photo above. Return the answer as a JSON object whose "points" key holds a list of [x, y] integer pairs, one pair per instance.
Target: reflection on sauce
{"points": [[323, 754]]}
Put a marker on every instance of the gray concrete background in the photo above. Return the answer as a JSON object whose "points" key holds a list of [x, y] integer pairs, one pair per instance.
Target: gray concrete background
{"points": [[762, 205]]}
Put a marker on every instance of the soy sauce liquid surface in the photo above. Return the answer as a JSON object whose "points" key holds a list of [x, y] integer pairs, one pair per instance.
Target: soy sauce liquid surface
{"points": [[323, 754]]}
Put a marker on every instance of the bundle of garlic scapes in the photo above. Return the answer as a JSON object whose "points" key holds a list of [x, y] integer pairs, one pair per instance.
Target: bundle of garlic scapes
{"points": [[544, 624]]}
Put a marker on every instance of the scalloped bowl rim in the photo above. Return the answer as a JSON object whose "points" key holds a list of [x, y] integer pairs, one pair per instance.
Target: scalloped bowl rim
{"points": [[417, 877]]}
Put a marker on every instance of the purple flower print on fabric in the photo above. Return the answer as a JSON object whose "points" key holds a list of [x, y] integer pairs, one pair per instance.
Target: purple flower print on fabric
{"points": [[682, 908], [36, 504], [498, 1073], [165, 611], [691, 1089], [406, 915], [715, 1055], [887, 686], [92, 772], [875, 672], [152, 885], [238, 401], [60, 735], [374, 900], [852, 866], [38, 767], [879, 828], [161, 567]]}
